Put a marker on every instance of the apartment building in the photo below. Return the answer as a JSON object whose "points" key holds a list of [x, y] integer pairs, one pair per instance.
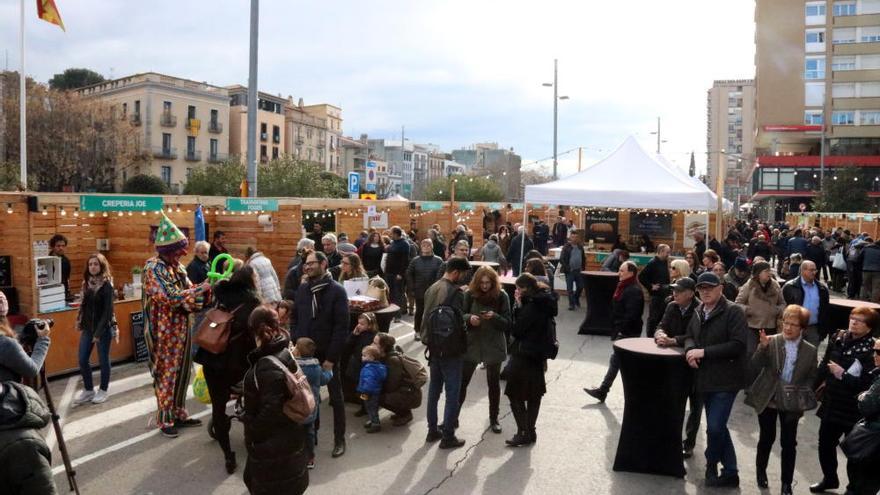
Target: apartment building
{"points": [[436, 161], [270, 124], [399, 162], [332, 119], [817, 97], [181, 123], [489, 159], [355, 153], [730, 136]]}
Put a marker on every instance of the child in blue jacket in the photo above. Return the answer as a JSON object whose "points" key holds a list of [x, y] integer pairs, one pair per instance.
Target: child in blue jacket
{"points": [[373, 375], [304, 353]]}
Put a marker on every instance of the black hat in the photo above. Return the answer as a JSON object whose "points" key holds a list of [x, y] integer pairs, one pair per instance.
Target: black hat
{"points": [[684, 283], [741, 264], [759, 267], [708, 279]]}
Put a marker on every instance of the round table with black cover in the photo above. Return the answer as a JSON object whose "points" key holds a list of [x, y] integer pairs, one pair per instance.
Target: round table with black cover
{"points": [[656, 382], [599, 287]]}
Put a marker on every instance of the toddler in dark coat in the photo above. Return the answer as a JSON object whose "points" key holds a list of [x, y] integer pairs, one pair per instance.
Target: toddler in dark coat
{"points": [[373, 376]]}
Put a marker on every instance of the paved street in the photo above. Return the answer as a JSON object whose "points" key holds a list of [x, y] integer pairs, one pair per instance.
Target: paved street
{"points": [[116, 453]]}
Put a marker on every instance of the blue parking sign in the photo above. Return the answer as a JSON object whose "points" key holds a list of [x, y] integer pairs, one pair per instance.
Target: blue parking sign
{"points": [[354, 183]]}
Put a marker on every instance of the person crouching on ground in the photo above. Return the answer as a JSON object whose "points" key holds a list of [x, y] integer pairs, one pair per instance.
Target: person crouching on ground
{"points": [[373, 376], [318, 377]]}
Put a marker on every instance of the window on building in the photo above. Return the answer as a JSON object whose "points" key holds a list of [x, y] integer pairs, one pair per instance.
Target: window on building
{"points": [[843, 90], [869, 34], [843, 36], [814, 94], [189, 172], [166, 142], [190, 145], [814, 9], [276, 134], [263, 151], [124, 110], [786, 179], [213, 148], [813, 117], [190, 112], [814, 68], [844, 8], [214, 115], [843, 63], [869, 62], [869, 89], [769, 178], [137, 107], [843, 117], [815, 36], [870, 7], [166, 175], [166, 106], [869, 117], [274, 152]]}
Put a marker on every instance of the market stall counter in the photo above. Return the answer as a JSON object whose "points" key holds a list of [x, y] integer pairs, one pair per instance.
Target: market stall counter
{"points": [[62, 357]]}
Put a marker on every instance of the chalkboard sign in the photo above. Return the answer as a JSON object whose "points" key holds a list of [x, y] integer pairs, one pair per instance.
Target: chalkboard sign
{"points": [[137, 337], [5, 271], [601, 227], [655, 225]]}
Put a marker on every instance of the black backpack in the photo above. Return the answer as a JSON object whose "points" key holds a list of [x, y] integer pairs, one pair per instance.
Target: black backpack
{"points": [[446, 333]]}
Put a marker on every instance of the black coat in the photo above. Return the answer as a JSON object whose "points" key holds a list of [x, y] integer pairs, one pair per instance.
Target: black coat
{"points": [[372, 258], [816, 254], [793, 293], [626, 314], [292, 281], [525, 372], [840, 403], [96, 311], [723, 338], [330, 325], [675, 323], [275, 444], [656, 272], [421, 273], [233, 361], [197, 271], [516, 248]]}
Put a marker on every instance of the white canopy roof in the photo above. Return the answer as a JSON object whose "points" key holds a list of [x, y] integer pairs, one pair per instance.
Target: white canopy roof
{"points": [[628, 178], [396, 197]]}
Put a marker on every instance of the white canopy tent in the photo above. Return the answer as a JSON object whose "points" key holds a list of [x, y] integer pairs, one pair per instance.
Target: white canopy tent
{"points": [[630, 177]]}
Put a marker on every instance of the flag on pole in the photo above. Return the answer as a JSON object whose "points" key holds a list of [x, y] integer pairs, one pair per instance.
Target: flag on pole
{"points": [[47, 11], [199, 222]]}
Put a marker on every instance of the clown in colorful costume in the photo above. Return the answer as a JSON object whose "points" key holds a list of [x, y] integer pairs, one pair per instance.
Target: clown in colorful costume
{"points": [[169, 299]]}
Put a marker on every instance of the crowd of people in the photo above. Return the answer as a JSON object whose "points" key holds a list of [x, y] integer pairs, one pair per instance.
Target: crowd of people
{"points": [[748, 328]]}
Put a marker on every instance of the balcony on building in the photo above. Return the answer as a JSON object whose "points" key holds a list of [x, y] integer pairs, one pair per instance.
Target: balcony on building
{"points": [[193, 156], [264, 136], [167, 120], [217, 157], [163, 152], [215, 127], [135, 119], [300, 139]]}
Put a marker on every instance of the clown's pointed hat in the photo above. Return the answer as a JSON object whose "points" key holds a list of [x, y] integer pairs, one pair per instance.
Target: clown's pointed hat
{"points": [[169, 238]]}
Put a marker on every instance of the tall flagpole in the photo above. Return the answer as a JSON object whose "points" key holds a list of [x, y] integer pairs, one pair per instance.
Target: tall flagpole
{"points": [[253, 96], [22, 120]]}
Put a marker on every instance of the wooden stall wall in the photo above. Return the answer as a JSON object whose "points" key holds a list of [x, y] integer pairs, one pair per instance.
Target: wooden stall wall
{"points": [[15, 243], [854, 222], [277, 244]]}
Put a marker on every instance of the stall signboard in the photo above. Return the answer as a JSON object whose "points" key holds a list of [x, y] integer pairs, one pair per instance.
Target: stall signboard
{"points": [[652, 224], [137, 337], [495, 206], [119, 203], [467, 206], [692, 225], [251, 204], [375, 220], [431, 206], [601, 227]]}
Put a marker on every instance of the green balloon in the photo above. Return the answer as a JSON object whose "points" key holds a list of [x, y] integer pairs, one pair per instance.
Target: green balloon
{"points": [[215, 277]]}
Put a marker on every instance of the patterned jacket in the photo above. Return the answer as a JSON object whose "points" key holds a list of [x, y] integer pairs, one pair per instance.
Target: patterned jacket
{"points": [[169, 298]]}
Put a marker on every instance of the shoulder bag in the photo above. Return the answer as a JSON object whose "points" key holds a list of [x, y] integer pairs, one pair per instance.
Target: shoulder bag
{"points": [[792, 398], [213, 332]]}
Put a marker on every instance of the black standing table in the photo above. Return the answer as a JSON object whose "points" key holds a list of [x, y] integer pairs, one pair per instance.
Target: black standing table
{"points": [[599, 287], [656, 382]]}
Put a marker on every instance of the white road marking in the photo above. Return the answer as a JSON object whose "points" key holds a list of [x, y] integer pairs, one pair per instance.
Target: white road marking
{"points": [[113, 448]]}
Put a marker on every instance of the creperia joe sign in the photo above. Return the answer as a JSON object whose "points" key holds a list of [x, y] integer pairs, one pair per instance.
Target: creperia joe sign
{"points": [[120, 203]]}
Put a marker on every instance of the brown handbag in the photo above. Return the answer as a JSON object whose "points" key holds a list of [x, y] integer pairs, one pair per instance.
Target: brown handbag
{"points": [[213, 332]]}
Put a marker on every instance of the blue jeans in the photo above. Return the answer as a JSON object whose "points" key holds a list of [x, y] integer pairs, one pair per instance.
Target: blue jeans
{"points": [[372, 407], [574, 285], [719, 446], [85, 350], [445, 375]]}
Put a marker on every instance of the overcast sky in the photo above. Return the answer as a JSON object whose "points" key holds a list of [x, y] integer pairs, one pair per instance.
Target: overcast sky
{"points": [[454, 72]]}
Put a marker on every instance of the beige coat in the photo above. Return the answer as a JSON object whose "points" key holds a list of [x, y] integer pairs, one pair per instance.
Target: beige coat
{"points": [[762, 308]]}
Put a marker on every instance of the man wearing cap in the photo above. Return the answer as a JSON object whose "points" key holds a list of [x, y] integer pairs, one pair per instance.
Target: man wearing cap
{"points": [[807, 291], [655, 278], [715, 345], [671, 332], [169, 299], [738, 274]]}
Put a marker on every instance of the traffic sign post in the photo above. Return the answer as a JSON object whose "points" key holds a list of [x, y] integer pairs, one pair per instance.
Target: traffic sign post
{"points": [[371, 176], [354, 185], [803, 207]]}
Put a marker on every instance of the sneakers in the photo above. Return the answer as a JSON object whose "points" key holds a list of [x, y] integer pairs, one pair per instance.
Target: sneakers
{"points": [[452, 442], [100, 397], [374, 428], [85, 396], [433, 436], [170, 432], [188, 422]]}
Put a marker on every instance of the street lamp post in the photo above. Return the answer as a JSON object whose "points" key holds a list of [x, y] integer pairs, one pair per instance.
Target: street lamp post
{"points": [[556, 98]]}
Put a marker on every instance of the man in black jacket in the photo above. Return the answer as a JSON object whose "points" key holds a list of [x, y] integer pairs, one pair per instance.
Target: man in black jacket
{"points": [[573, 261], [626, 316], [541, 233], [320, 312], [715, 345], [420, 274], [809, 292], [655, 278], [671, 332], [395, 267], [518, 248]]}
